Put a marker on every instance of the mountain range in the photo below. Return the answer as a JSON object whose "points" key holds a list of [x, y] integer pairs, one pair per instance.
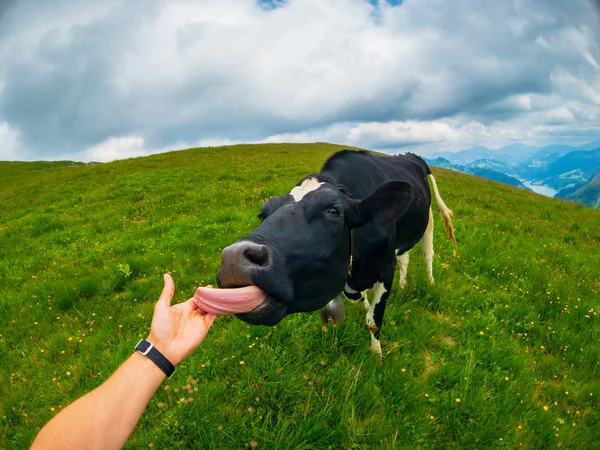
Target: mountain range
{"points": [[485, 168], [560, 171]]}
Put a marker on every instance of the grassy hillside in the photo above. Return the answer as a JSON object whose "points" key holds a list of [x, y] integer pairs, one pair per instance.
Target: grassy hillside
{"points": [[503, 351], [10, 170]]}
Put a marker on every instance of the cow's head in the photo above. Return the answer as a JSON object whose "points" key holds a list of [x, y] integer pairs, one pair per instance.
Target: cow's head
{"points": [[299, 254]]}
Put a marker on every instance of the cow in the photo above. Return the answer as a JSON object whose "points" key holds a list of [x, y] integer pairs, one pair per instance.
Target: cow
{"points": [[342, 230]]}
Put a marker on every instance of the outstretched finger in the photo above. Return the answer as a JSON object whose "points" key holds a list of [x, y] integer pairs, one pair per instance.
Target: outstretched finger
{"points": [[167, 292]]}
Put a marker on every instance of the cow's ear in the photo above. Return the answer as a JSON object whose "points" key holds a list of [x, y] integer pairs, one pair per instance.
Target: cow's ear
{"points": [[388, 201], [273, 205]]}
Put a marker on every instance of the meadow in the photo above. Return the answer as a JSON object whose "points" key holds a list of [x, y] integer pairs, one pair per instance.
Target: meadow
{"points": [[502, 352]]}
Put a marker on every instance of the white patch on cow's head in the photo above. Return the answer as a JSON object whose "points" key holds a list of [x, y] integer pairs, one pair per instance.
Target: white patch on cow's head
{"points": [[308, 185]]}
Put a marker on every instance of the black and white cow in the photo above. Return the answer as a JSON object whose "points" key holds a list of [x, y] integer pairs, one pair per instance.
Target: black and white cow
{"points": [[363, 208]]}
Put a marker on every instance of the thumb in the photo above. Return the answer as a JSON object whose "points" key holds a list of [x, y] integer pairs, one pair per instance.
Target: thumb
{"points": [[167, 292]]}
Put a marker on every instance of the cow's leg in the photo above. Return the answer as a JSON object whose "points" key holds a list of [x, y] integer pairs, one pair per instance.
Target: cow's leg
{"points": [[333, 312], [375, 313], [355, 296], [427, 243], [403, 268], [365, 300]]}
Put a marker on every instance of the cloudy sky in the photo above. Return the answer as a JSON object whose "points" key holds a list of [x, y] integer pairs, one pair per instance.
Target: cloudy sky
{"points": [[101, 80]]}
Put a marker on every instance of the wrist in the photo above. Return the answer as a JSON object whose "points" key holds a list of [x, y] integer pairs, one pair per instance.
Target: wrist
{"points": [[167, 350], [148, 349], [149, 367]]}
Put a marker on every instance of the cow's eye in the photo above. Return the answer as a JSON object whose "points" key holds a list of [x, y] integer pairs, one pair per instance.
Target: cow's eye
{"points": [[333, 211]]}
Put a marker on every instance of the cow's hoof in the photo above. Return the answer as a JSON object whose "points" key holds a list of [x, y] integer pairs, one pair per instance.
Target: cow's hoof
{"points": [[376, 348], [333, 313], [325, 317]]}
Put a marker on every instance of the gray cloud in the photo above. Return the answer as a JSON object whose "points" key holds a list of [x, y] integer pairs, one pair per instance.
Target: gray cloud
{"points": [[79, 75]]}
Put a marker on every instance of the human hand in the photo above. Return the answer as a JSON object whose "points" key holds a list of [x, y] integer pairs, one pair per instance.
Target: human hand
{"points": [[177, 330]]}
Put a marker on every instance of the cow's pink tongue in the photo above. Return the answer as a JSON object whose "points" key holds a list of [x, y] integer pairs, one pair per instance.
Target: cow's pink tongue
{"points": [[229, 301]]}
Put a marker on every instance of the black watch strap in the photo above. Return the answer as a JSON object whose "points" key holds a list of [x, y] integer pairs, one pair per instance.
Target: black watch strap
{"points": [[147, 348]]}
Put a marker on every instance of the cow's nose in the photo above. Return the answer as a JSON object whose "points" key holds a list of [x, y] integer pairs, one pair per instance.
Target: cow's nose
{"points": [[247, 253], [255, 254], [240, 261]]}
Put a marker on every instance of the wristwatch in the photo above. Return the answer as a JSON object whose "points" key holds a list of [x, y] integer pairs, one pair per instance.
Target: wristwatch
{"points": [[147, 349]]}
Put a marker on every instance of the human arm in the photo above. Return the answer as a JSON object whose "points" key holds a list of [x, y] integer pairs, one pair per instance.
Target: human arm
{"points": [[105, 417]]}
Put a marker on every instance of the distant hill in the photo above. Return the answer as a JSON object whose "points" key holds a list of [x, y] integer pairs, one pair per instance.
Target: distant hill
{"points": [[572, 169], [590, 146], [587, 194], [482, 168], [443, 163], [585, 161], [513, 154], [566, 192], [549, 150], [555, 168], [492, 164], [518, 153], [467, 156], [498, 176]]}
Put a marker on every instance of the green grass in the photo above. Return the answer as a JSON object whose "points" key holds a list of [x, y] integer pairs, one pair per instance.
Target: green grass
{"points": [[510, 328]]}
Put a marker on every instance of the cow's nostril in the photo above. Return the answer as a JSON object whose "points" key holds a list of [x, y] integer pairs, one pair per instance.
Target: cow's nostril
{"points": [[257, 255]]}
